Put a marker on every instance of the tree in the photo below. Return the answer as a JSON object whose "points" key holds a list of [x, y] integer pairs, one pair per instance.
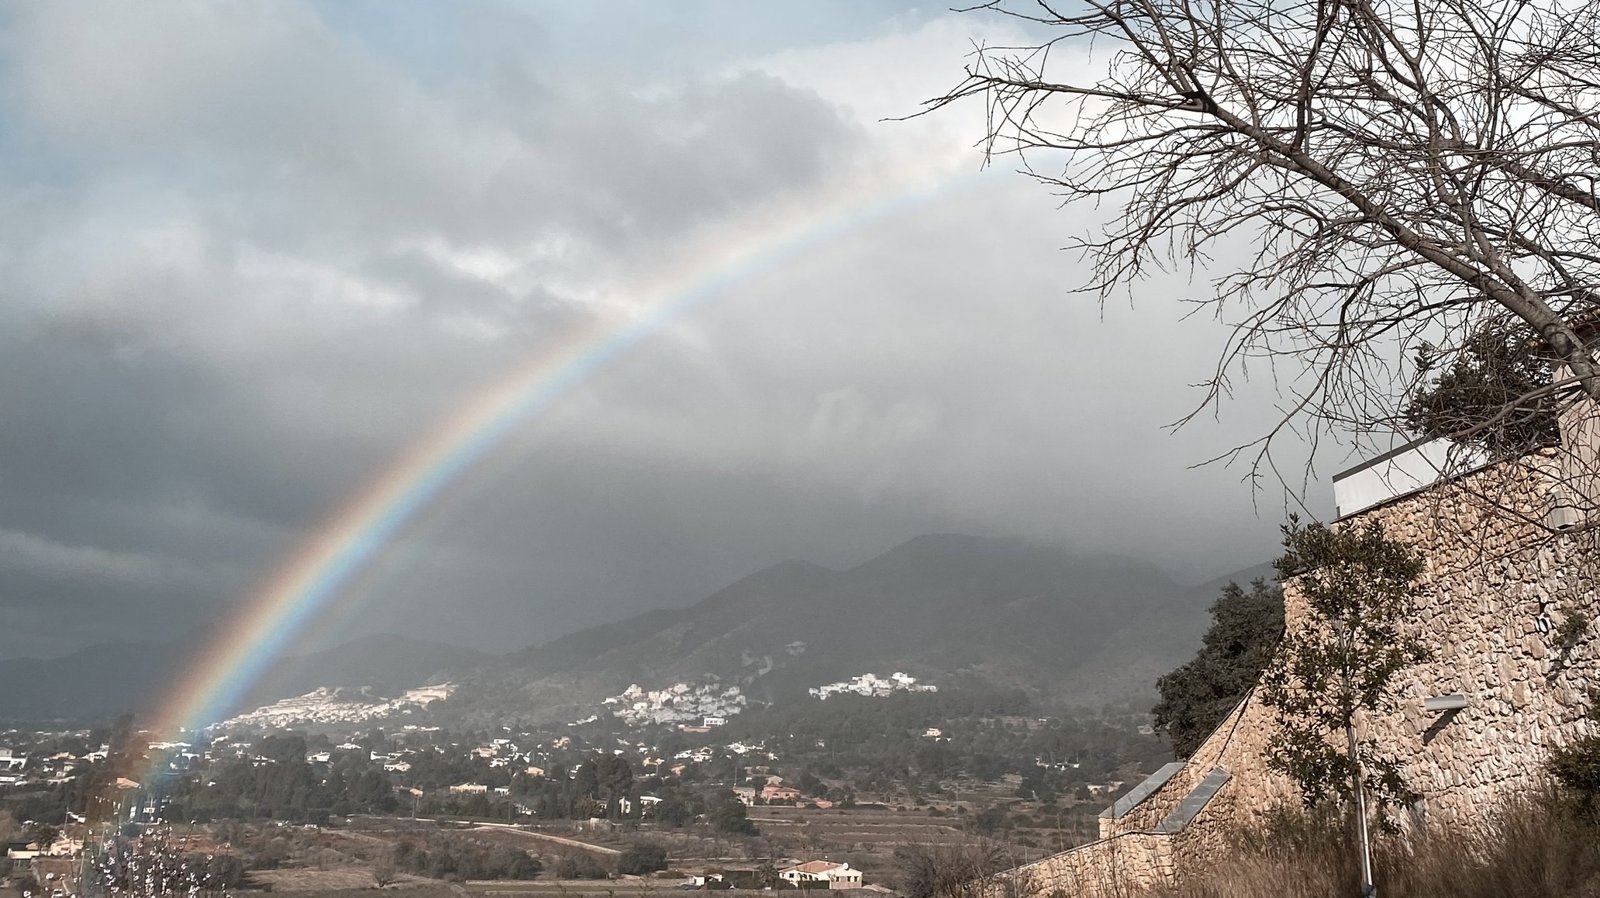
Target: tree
{"points": [[960, 870], [580, 865], [1244, 633], [1340, 661], [766, 875], [383, 870], [1489, 397], [1379, 175], [43, 835], [637, 860], [728, 815]]}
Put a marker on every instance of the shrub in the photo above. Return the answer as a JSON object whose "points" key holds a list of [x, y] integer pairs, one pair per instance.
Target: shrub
{"points": [[580, 865], [638, 860], [1534, 846]]}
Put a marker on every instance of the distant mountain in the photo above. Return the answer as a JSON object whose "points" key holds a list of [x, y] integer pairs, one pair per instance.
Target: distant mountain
{"points": [[1263, 571], [1070, 627], [384, 664], [105, 680], [94, 684]]}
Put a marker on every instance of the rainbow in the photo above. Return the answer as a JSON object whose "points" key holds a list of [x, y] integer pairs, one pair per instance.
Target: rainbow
{"points": [[346, 542]]}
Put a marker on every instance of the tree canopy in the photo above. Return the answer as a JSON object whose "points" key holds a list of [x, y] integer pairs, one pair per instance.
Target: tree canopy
{"points": [[1244, 632], [1490, 396], [1341, 659]]}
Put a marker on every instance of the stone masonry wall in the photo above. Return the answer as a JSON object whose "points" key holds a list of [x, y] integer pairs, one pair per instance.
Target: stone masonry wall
{"points": [[1497, 586], [1121, 865]]}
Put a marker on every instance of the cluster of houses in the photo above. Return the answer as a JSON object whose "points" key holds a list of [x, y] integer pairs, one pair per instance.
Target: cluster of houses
{"points": [[870, 684], [333, 706], [18, 768], [704, 705]]}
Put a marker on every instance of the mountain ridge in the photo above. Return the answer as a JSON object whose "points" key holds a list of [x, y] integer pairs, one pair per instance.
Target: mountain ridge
{"points": [[1067, 626]]}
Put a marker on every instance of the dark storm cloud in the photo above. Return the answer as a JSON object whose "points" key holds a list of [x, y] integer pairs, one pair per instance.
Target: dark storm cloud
{"points": [[249, 258]]}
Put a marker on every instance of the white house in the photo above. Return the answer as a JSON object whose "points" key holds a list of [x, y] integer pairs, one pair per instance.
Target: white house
{"points": [[837, 876]]}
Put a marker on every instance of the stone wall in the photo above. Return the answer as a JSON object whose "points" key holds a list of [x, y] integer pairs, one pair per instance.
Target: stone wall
{"points": [[1497, 586], [1122, 865]]}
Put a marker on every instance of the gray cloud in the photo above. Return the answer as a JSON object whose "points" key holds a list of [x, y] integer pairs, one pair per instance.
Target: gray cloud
{"points": [[251, 254]]}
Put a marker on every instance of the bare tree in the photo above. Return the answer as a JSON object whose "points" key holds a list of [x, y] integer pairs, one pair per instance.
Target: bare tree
{"points": [[972, 869], [1395, 177], [384, 870]]}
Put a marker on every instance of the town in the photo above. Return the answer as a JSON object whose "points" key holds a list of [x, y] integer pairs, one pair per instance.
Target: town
{"points": [[631, 797]]}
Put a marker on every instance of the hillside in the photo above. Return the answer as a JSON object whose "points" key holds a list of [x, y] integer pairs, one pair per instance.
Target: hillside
{"points": [[1069, 627], [102, 681]]}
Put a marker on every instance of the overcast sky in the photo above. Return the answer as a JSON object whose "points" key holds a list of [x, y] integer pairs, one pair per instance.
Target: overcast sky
{"points": [[250, 253]]}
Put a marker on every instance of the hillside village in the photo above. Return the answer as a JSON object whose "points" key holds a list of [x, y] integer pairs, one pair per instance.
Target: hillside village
{"points": [[606, 784]]}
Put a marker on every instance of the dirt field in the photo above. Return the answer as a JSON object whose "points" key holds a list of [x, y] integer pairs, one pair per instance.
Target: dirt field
{"points": [[345, 878]]}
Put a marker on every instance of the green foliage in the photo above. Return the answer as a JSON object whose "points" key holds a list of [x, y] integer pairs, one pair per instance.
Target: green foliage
{"points": [[728, 815], [1478, 400], [1576, 765], [674, 811], [1531, 846], [1360, 592], [462, 858], [1244, 633], [43, 834], [992, 820], [277, 782], [877, 745], [580, 865], [638, 860]]}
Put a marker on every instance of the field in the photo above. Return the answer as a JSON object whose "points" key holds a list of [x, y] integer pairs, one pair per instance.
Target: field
{"points": [[344, 860]]}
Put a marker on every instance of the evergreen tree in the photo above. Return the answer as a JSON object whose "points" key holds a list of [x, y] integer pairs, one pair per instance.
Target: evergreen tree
{"points": [[1244, 632], [1341, 659]]}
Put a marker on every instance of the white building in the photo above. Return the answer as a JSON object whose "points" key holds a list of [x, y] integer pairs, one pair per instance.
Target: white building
{"points": [[837, 876]]}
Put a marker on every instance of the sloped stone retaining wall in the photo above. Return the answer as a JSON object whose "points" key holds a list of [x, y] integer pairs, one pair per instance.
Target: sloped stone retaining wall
{"points": [[1497, 588]]}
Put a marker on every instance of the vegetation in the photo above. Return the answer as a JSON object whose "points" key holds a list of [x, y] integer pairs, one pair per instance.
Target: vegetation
{"points": [[1535, 846], [1341, 659], [1494, 395], [462, 858], [277, 783], [580, 865], [949, 871], [1244, 633], [640, 859], [1576, 765], [861, 745]]}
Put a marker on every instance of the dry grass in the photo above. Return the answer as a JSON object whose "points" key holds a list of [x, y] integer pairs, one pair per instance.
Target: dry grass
{"points": [[1535, 847]]}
